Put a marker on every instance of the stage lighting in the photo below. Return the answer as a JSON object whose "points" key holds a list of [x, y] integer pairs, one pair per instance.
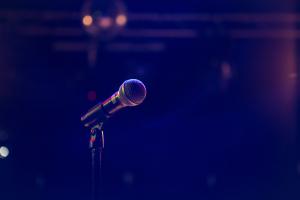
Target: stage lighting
{"points": [[4, 152], [87, 20], [105, 23], [121, 20], [103, 19]]}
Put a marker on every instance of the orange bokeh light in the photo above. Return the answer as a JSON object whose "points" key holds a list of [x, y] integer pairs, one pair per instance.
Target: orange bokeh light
{"points": [[87, 20], [121, 20]]}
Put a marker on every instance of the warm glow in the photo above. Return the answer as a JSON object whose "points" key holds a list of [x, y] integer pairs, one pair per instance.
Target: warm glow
{"points": [[121, 20], [105, 22], [87, 20], [4, 152], [226, 71]]}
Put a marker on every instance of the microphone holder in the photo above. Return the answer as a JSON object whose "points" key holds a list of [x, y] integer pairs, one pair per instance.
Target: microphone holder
{"points": [[96, 146]]}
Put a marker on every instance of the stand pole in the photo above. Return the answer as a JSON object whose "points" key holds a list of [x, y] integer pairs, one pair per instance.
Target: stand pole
{"points": [[97, 147]]}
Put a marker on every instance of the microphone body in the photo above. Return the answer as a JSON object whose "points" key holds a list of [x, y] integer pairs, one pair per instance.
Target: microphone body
{"points": [[131, 93]]}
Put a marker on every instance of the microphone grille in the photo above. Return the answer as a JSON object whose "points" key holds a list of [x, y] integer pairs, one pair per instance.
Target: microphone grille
{"points": [[133, 92]]}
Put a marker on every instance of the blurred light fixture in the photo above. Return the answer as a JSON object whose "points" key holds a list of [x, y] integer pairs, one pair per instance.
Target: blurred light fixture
{"points": [[226, 71], [226, 76], [4, 152], [105, 22], [103, 19], [121, 20], [87, 20], [293, 75]]}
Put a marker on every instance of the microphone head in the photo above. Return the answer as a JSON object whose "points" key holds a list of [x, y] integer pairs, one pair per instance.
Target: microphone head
{"points": [[132, 92]]}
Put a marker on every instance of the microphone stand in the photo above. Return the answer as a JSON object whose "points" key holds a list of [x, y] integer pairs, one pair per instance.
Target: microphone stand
{"points": [[96, 146]]}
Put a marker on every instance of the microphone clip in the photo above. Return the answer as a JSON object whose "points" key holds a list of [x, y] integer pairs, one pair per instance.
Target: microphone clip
{"points": [[97, 137]]}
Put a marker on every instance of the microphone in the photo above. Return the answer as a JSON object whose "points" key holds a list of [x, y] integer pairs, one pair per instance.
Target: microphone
{"points": [[131, 93]]}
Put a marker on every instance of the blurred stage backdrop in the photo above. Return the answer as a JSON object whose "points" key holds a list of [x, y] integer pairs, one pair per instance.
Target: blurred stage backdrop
{"points": [[219, 122]]}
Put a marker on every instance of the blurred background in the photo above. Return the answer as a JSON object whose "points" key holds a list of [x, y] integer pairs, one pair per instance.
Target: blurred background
{"points": [[219, 122]]}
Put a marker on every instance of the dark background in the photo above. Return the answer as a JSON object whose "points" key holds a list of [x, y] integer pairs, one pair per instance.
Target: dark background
{"points": [[219, 121]]}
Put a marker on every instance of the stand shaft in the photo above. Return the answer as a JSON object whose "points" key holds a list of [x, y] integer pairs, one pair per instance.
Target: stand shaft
{"points": [[97, 147]]}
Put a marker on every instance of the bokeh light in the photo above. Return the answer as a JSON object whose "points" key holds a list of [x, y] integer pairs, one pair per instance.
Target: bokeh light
{"points": [[226, 71], [4, 152], [105, 22], [121, 20], [87, 20]]}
